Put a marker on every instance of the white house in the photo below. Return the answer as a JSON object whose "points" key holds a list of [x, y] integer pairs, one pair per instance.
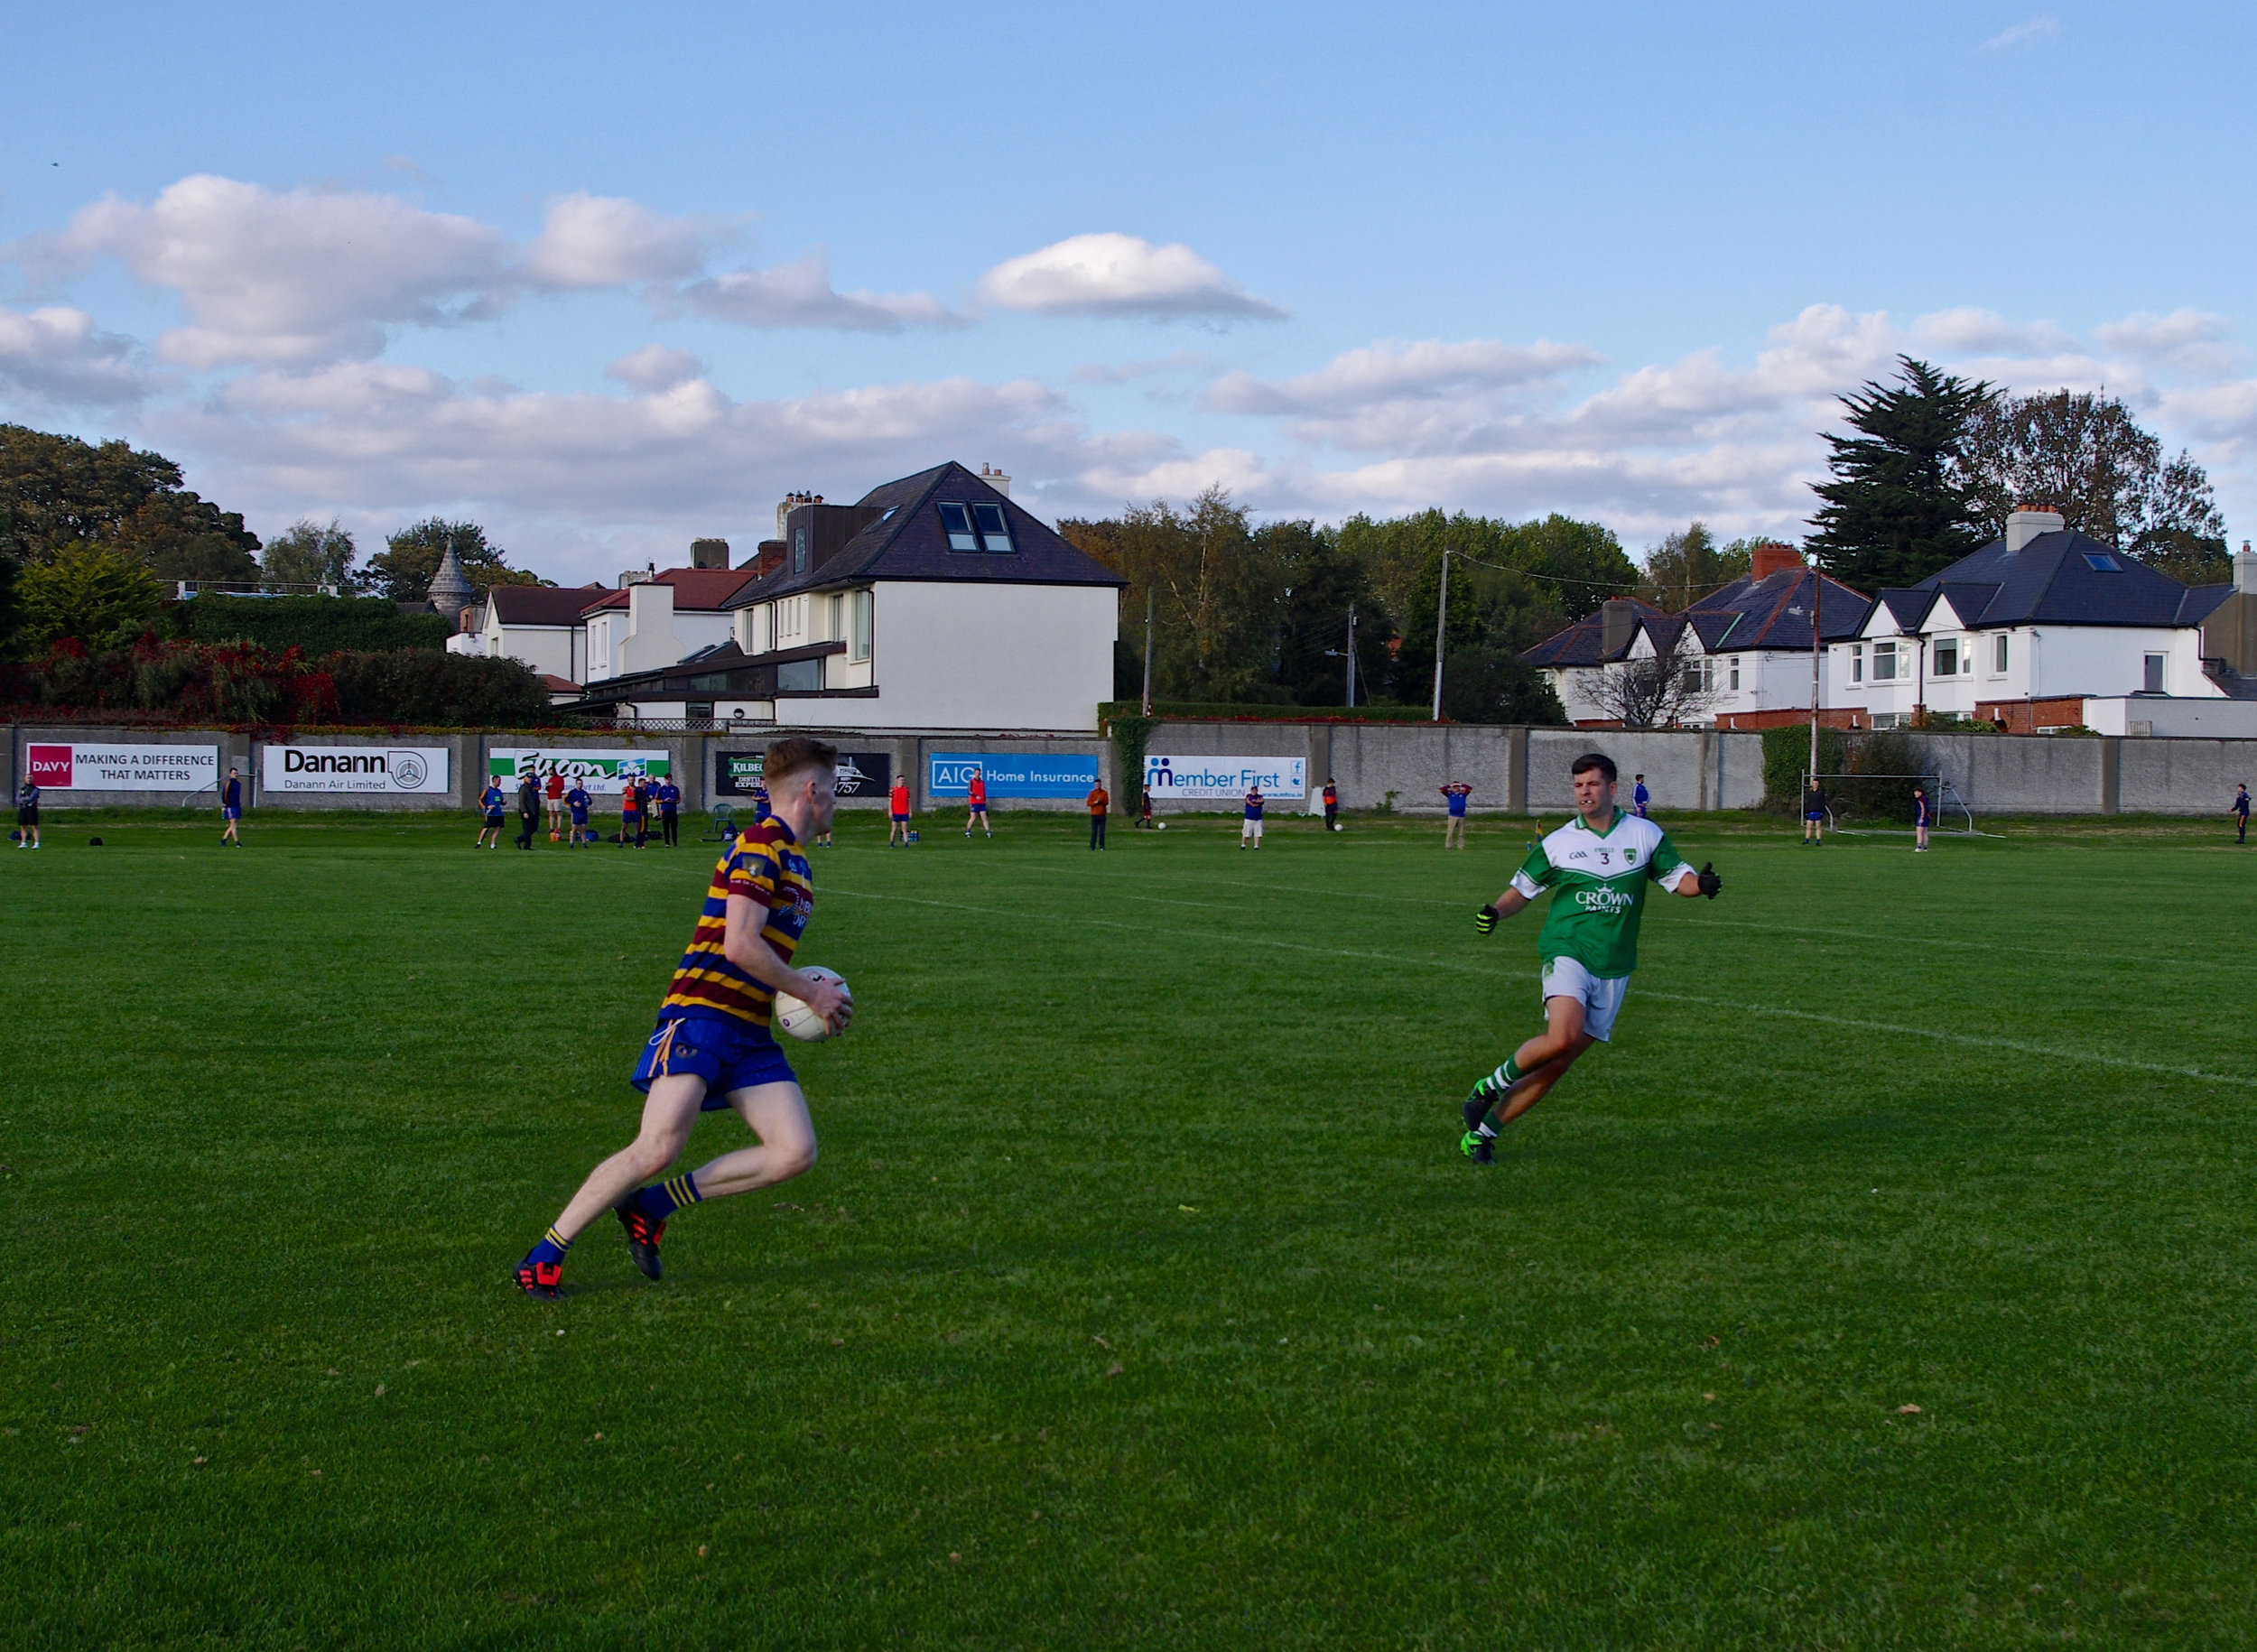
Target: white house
{"points": [[660, 621], [539, 625], [2024, 631], [933, 602]]}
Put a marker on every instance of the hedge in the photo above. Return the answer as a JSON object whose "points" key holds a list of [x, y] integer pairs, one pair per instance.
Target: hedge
{"points": [[318, 625]]}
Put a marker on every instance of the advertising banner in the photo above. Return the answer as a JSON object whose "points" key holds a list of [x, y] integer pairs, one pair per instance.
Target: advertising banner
{"points": [[1011, 774], [420, 769], [862, 773], [602, 771], [130, 767], [1201, 779]]}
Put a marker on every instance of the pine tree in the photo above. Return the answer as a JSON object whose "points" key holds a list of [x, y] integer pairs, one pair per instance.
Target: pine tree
{"points": [[1895, 511]]}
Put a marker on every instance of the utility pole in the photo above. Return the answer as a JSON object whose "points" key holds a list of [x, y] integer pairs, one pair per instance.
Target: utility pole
{"points": [[1817, 652], [1442, 618], [1351, 655], [1148, 651]]}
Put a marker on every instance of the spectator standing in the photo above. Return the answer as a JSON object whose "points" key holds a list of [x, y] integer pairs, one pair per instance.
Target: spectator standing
{"points": [[577, 802], [897, 807], [2240, 811], [491, 801], [528, 810], [1250, 828], [759, 801], [669, 812], [1144, 808], [1098, 801], [556, 805], [27, 815], [1639, 796], [1454, 794], [1332, 805], [976, 793], [1814, 813], [630, 813], [1920, 820], [231, 810]]}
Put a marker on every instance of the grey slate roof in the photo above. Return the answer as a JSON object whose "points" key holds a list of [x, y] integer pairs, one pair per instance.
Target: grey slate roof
{"points": [[1774, 612], [2049, 581], [908, 542], [1581, 642]]}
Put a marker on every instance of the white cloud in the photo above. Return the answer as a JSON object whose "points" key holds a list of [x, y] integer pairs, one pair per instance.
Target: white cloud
{"points": [[1393, 370], [800, 294], [55, 358], [1119, 275], [1129, 372], [603, 241], [285, 277], [655, 367], [2042, 27]]}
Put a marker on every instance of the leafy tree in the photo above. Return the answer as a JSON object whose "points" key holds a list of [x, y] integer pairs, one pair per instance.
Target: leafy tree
{"points": [[403, 569], [2088, 458], [88, 591], [307, 553], [56, 492], [1897, 508], [1689, 564], [1319, 584], [11, 603]]}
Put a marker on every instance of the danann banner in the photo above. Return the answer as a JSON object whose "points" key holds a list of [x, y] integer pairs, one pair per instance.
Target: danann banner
{"points": [[420, 769], [122, 769], [1204, 778], [603, 771], [1011, 774]]}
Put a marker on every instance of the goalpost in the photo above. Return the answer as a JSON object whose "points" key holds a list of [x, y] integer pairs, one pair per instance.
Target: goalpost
{"points": [[1942, 798]]}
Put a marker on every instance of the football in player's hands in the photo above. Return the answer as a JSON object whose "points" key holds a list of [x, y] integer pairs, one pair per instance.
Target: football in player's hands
{"points": [[1708, 881], [1485, 920]]}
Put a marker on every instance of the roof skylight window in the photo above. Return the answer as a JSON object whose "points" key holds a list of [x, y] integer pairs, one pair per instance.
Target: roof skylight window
{"points": [[994, 536], [957, 520], [2099, 561]]}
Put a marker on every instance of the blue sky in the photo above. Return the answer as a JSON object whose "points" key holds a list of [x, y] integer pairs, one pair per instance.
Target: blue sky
{"points": [[608, 279]]}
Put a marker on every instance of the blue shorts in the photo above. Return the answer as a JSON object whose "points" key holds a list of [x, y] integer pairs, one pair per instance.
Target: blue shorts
{"points": [[231, 814], [728, 1053], [1815, 814]]}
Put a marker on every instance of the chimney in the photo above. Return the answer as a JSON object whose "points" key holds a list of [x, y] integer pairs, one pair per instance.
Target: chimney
{"points": [[1771, 557], [708, 553], [766, 558], [995, 479], [1618, 622], [791, 502], [2246, 571], [2024, 525]]}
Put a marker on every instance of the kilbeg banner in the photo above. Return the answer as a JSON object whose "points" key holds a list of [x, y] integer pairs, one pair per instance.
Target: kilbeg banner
{"points": [[602, 772], [1283, 779], [862, 773], [356, 768], [122, 769], [1011, 774]]}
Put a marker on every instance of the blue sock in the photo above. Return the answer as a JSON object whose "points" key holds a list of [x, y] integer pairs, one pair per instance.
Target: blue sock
{"points": [[551, 1249], [661, 1200]]}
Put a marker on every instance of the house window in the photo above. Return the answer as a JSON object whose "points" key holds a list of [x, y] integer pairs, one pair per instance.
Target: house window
{"points": [[833, 619], [799, 550], [994, 535], [1884, 662], [957, 520], [2154, 678], [802, 676], [1947, 657], [1699, 676], [1857, 662], [1735, 674], [862, 601], [1998, 655]]}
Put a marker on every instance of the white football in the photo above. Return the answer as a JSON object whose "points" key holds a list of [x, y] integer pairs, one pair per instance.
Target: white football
{"points": [[1159, 825], [794, 1017]]}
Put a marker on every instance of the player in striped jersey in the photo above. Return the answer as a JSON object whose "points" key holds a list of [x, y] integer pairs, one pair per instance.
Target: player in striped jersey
{"points": [[714, 1047]]}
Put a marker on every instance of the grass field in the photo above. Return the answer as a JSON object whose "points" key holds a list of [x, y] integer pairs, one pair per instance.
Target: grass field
{"points": [[1140, 1298]]}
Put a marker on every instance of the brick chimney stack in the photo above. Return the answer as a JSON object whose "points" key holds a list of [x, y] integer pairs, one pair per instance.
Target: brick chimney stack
{"points": [[1771, 557]]}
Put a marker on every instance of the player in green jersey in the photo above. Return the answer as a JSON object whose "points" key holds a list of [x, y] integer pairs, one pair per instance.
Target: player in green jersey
{"points": [[1597, 866]]}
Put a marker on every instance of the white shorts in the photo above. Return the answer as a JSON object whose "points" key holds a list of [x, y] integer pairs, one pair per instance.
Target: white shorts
{"points": [[1601, 998], [1250, 829]]}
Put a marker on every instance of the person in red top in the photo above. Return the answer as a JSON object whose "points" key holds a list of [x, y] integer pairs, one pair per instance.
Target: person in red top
{"points": [[1332, 805], [898, 806], [977, 792], [1097, 802], [556, 805]]}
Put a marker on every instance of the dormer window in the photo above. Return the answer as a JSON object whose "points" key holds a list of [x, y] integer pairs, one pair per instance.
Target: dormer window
{"points": [[994, 536], [957, 520]]}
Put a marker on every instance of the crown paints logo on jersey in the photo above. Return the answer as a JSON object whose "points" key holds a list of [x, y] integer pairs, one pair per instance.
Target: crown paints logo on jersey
{"points": [[1279, 779], [1606, 897]]}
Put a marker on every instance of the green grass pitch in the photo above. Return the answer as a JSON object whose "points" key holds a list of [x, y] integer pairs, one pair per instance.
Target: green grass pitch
{"points": [[1140, 1298]]}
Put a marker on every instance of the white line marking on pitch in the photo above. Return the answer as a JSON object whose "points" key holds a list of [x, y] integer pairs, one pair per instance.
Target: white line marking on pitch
{"points": [[1972, 1040]]}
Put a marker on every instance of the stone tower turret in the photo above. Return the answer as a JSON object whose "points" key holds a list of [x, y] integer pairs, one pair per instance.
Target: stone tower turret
{"points": [[451, 590]]}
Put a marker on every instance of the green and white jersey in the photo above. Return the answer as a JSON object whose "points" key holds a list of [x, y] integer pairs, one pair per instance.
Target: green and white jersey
{"points": [[1598, 881]]}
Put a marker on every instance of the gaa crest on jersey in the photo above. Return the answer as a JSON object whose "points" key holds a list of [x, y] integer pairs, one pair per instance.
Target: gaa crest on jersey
{"points": [[1629, 856]]}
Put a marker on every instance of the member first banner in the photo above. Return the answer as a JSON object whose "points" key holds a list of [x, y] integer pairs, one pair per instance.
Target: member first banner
{"points": [[1219, 779]]}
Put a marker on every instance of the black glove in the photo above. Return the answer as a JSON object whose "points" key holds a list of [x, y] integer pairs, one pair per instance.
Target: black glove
{"points": [[1708, 881], [1485, 920]]}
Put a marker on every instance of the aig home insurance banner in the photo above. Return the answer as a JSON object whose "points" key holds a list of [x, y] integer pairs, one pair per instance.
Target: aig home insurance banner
{"points": [[1011, 774], [1204, 778], [862, 773], [356, 768], [123, 768], [603, 773]]}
